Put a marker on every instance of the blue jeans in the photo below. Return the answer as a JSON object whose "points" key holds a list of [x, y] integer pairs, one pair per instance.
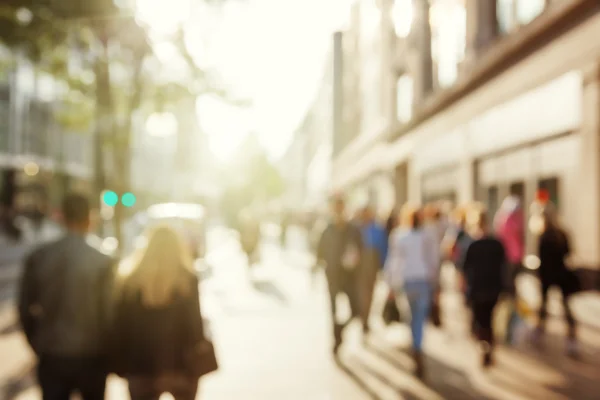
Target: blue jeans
{"points": [[418, 294]]}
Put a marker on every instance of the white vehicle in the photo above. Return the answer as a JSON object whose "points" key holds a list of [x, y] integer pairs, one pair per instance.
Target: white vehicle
{"points": [[188, 218]]}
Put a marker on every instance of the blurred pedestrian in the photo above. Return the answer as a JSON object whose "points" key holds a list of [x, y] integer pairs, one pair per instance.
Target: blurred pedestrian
{"points": [[249, 237], [458, 240], [64, 306], [285, 223], [509, 225], [391, 222], [159, 340], [435, 226], [340, 249], [411, 270], [484, 270], [375, 248], [553, 249]]}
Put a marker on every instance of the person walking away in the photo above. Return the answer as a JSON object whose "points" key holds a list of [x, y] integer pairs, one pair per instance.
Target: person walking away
{"points": [[435, 227], [484, 270], [340, 250], [457, 242], [509, 226], [159, 332], [64, 308], [391, 222], [553, 249], [285, 223], [411, 270], [375, 248], [250, 237]]}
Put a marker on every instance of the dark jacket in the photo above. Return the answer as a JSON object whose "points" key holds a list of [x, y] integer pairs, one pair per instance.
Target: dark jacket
{"points": [[333, 244], [64, 299], [485, 268], [553, 249], [154, 341]]}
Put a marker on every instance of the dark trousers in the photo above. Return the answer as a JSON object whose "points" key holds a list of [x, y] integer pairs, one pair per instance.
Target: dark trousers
{"points": [[344, 281], [483, 310], [59, 377], [546, 285], [368, 278]]}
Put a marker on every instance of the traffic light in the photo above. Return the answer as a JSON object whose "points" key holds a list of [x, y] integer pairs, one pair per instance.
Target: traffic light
{"points": [[128, 199], [110, 198]]}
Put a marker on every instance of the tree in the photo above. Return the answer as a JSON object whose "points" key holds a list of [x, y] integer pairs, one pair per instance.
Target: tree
{"points": [[252, 178]]}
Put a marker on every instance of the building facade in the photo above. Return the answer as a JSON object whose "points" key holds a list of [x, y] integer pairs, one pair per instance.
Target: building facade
{"points": [[319, 135], [510, 104], [35, 150]]}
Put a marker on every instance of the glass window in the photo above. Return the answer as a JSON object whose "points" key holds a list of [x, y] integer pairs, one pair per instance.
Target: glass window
{"points": [[505, 13], [4, 118], [404, 98], [512, 13], [528, 10], [448, 20], [402, 15]]}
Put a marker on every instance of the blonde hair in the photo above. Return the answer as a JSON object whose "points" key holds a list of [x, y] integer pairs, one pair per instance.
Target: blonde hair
{"points": [[156, 270]]}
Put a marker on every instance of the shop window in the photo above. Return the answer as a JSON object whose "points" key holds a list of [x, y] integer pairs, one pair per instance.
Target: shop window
{"points": [[551, 187]]}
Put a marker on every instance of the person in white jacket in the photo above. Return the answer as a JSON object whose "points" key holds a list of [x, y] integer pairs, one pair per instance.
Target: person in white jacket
{"points": [[411, 270]]}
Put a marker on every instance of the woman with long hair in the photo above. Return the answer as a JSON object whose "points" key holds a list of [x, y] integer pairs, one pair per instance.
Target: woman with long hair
{"points": [[553, 249], [411, 270], [158, 325]]}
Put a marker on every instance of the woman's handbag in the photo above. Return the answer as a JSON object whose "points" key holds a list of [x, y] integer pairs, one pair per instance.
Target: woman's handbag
{"points": [[203, 359], [390, 310], [434, 314]]}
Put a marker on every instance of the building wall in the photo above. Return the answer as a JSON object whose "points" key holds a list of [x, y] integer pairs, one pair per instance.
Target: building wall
{"points": [[533, 124]]}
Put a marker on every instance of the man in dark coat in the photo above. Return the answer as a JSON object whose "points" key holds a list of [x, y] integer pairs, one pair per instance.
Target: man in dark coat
{"points": [[340, 249]]}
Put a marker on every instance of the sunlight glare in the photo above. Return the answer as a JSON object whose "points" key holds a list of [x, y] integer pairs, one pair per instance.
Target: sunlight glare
{"points": [[225, 126], [163, 17]]}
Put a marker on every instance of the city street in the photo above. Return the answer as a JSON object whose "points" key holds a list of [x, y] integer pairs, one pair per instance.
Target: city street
{"points": [[271, 331]]}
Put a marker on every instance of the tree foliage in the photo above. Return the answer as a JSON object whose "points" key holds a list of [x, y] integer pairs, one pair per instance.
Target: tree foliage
{"points": [[252, 179]]}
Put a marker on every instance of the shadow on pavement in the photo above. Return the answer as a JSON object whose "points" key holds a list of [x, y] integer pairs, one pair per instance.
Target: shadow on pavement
{"points": [[18, 383], [270, 289], [356, 378], [449, 382], [579, 379]]}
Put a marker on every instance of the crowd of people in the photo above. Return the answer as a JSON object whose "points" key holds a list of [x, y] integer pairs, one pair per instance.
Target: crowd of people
{"points": [[85, 315], [410, 248]]}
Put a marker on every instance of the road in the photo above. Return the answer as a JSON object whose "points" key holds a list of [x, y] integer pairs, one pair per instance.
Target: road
{"points": [[271, 330]]}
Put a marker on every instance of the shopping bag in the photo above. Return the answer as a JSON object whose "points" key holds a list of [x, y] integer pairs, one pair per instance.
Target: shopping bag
{"points": [[391, 313], [502, 318]]}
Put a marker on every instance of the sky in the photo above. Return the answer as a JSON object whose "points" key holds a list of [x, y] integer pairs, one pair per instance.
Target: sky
{"points": [[269, 52]]}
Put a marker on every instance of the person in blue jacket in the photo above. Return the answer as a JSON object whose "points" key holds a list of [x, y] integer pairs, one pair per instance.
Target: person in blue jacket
{"points": [[375, 248]]}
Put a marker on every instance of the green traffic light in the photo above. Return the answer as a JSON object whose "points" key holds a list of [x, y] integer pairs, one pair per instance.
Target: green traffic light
{"points": [[110, 198], [128, 199]]}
